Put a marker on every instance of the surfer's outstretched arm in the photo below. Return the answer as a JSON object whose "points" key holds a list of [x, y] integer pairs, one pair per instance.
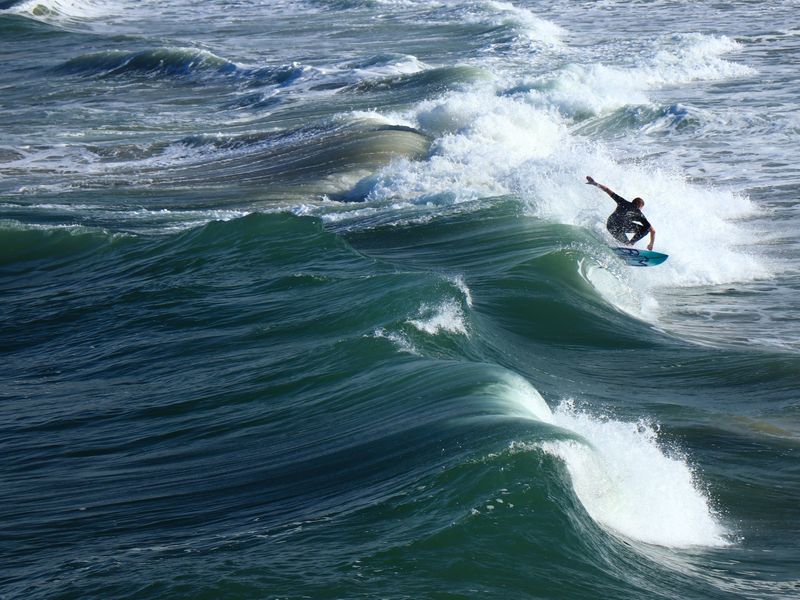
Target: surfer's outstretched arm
{"points": [[606, 189]]}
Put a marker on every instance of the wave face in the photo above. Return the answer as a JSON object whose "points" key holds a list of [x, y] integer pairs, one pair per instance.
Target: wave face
{"points": [[309, 298]]}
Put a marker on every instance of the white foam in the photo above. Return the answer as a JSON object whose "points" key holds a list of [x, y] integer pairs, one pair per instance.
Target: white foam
{"points": [[447, 317], [614, 282], [64, 12], [621, 474], [493, 145], [531, 26], [701, 228], [458, 281], [484, 141], [520, 398], [698, 57], [400, 341], [404, 64], [581, 89], [629, 484]]}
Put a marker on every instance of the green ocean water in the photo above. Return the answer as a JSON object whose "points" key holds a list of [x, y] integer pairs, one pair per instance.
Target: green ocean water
{"points": [[309, 300]]}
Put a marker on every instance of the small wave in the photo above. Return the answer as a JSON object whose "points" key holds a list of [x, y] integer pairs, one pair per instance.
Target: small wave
{"points": [[623, 477], [8, 155], [508, 29], [433, 81], [648, 119], [325, 158], [381, 66], [629, 484], [698, 57], [152, 62], [377, 73], [532, 27], [67, 13], [25, 243], [522, 25]]}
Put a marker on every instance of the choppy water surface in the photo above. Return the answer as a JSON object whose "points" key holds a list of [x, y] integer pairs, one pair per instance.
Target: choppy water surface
{"points": [[310, 299]]}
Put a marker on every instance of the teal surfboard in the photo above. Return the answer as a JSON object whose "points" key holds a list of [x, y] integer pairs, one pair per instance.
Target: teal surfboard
{"points": [[640, 258]]}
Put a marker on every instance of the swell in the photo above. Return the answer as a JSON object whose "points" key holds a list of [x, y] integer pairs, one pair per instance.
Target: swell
{"points": [[170, 63], [319, 154], [330, 407], [246, 382], [328, 157], [461, 291], [495, 286], [322, 158], [531, 272]]}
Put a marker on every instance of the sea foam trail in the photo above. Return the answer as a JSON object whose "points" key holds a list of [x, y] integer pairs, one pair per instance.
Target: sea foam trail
{"points": [[622, 476]]}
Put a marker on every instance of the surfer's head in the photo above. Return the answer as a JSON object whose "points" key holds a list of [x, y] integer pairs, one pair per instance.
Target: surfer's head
{"points": [[638, 203]]}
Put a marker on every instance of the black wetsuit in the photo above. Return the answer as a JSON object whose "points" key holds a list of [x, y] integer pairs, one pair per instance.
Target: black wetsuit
{"points": [[626, 219]]}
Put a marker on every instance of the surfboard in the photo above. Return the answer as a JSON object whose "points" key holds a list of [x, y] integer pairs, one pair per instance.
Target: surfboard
{"points": [[640, 258]]}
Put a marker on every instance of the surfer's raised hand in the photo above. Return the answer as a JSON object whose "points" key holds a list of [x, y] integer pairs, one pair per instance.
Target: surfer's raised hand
{"points": [[590, 181]]}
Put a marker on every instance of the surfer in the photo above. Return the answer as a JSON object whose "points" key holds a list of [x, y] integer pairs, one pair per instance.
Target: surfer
{"points": [[627, 218]]}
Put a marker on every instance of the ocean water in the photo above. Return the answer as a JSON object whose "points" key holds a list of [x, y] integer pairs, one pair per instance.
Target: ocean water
{"points": [[309, 299]]}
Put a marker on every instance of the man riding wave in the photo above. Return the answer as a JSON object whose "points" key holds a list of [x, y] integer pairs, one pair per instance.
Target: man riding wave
{"points": [[627, 218]]}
